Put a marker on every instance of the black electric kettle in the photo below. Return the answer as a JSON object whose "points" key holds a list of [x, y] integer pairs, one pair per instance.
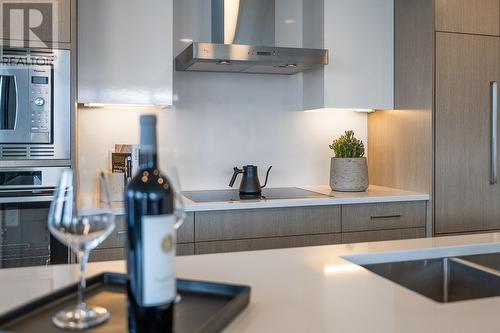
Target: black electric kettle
{"points": [[250, 184]]}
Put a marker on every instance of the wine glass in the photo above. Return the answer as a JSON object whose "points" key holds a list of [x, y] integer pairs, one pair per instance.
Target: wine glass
{"points": [[179, 212], [81, 230], [173, 177]]}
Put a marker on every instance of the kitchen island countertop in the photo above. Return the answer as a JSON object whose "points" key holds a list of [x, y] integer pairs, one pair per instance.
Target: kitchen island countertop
{"points": [[313, 289]]}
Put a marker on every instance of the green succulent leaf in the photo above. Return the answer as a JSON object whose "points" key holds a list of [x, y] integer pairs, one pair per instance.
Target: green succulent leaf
{"points": [[347, 146]]}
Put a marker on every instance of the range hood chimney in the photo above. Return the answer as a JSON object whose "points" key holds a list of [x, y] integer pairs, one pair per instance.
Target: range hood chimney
{"points": [[243, 41]]}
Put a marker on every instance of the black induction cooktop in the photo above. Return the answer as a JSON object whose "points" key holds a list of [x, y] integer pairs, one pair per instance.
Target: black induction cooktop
{"points": [[267, 194]]}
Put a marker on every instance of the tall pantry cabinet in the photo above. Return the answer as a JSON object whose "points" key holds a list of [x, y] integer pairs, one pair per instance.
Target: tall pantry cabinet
{"points": [[447, 72], [466, 192]]}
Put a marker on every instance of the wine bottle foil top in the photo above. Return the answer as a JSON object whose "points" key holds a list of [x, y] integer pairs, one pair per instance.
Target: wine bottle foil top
{"points": [[148, 120]]}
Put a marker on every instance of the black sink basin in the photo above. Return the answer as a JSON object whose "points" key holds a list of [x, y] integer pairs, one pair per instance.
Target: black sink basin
{"points": [[444, 279], [489, 260]]}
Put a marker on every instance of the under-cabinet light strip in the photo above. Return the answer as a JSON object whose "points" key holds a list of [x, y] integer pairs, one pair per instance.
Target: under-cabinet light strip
{"points": [[121, 106], [340, 109]]}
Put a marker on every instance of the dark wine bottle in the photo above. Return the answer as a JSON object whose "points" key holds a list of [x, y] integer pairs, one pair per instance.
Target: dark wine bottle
{"points": [[149, 204]]}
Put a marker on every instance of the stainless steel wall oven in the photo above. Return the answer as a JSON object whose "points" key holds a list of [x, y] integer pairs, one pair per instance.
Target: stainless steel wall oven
{"points": [[25, 197]]}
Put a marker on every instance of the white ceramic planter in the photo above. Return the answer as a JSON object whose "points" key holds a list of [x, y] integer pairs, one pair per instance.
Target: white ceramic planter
{"points": [[349, 174]]}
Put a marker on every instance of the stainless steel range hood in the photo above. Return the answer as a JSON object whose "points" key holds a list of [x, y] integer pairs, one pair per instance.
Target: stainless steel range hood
{"points": [[243, 41]]}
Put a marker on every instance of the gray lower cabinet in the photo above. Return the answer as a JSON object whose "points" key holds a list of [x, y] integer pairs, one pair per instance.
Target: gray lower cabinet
{"points": [[185, 249], [185, 234], [107, 254], [119, 253], [266, 223], [272, 228], [119, 235], [382, 235], [113, 247], [266, 243]]}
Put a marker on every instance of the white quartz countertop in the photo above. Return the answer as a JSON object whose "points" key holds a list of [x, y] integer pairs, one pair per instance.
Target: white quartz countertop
{"points": [[311, 289], [374, 194]]}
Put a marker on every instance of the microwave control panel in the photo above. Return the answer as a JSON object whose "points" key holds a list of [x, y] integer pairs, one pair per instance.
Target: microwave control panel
{"points": [[41, 100]]}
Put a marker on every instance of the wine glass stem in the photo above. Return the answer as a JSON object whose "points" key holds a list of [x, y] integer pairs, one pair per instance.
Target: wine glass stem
{"points": [[83, 257]]}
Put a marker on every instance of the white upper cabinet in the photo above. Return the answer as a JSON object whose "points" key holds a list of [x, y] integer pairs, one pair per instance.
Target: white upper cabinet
{"points": [[359, 35], [125, 51]]}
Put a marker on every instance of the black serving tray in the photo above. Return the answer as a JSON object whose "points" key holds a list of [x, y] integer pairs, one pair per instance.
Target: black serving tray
{"points": [[204, 307]]}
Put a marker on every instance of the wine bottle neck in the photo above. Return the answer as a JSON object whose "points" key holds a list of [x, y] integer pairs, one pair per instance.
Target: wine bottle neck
{"points": [[148, 152], [148, 160]]}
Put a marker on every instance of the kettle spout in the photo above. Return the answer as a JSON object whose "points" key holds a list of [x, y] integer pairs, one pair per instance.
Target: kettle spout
{"points": [[267, 176]]}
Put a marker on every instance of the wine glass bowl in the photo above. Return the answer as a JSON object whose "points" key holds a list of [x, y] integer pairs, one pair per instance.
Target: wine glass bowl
{"points": [[86, 232], [179, 209], [82, 231]]}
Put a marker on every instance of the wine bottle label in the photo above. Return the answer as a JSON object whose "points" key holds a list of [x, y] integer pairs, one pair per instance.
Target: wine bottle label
{"points": [[158, 242]]}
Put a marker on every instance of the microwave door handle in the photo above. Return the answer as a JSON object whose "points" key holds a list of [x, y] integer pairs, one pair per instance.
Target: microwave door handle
{"points": [[4, 102], [3, 111], [8, 116]]}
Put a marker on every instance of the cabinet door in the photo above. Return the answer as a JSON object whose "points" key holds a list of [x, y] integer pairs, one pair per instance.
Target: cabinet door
{"points": [[466, 16], [360, 38], [125, 51], [49, 22], [464, 198]]}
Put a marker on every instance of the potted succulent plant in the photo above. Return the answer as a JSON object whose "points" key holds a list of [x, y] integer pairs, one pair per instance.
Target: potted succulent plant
{"points": [[348, 169]]}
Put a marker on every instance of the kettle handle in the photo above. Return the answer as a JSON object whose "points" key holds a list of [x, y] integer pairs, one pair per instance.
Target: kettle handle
{"points": [[267, 176], [236, 172]]}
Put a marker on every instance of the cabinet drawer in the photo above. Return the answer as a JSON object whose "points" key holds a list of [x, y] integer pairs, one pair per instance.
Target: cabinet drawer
{"points": [[118, 237], [266, 243], [382, 235], [383, 216], [269, 222]]}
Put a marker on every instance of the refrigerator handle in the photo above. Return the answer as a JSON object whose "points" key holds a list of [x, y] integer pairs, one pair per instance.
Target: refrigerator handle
{"points": [[494, 131]]}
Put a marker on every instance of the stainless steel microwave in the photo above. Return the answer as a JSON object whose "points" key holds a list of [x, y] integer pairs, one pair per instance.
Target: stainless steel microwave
{"points": [[35, 104]]}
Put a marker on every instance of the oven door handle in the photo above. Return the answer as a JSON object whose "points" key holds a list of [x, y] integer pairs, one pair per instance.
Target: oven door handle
{"points": [[36, 198]]}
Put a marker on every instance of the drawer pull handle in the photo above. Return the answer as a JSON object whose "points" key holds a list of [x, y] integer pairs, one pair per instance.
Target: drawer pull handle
{"points": [[385, 217], [121, 232]]}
